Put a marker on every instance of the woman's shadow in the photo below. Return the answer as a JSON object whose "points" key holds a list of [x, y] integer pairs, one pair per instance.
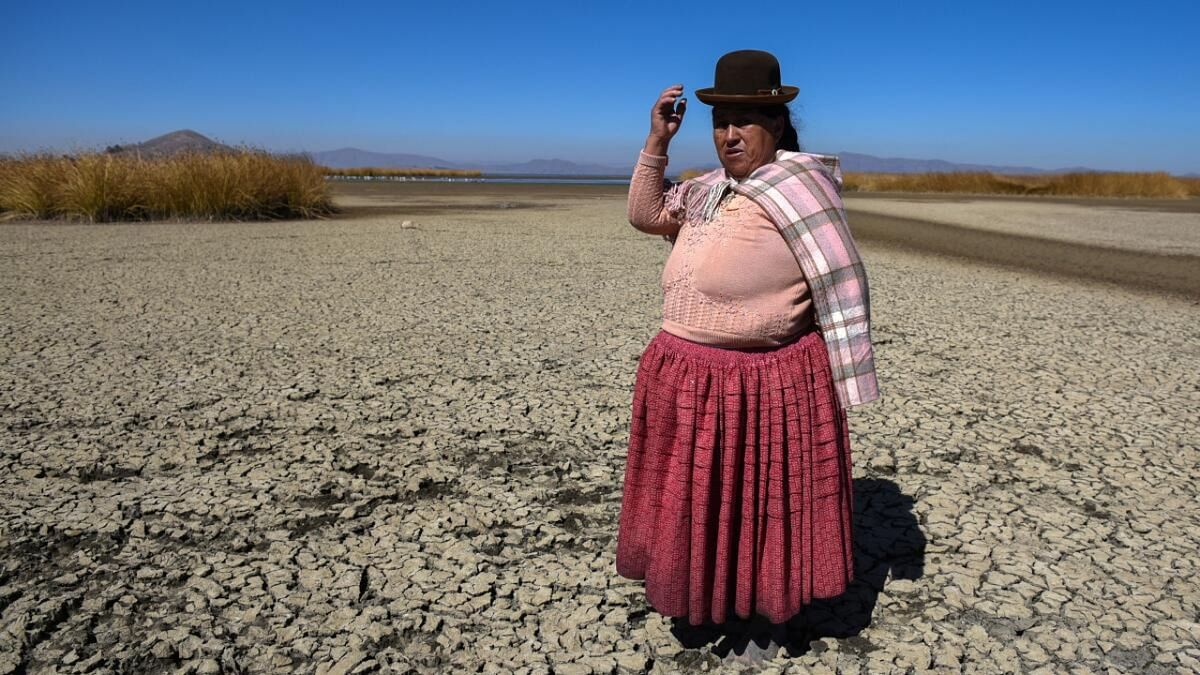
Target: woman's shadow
{"points": [[887, 540]]}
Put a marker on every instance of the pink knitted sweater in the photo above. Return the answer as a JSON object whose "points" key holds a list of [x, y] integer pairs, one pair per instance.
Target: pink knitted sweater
{"points": [[730, 282]]}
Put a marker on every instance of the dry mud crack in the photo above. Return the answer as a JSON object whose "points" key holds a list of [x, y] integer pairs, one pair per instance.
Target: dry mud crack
{"points": [[350, 447]]}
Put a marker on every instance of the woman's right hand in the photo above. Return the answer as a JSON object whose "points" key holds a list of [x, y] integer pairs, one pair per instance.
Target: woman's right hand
{"points": [[665, 119]]}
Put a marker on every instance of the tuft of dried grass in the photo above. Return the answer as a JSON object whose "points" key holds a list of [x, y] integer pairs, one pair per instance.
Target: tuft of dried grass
{"points": [[99, 187], [29, 185]]}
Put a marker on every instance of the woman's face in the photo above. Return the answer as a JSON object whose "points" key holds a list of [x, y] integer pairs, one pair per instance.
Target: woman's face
{"points": [[745, 138]]}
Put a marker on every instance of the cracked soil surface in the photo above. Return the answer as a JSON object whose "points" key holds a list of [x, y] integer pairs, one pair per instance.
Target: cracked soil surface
{"points": [[352, 446]]}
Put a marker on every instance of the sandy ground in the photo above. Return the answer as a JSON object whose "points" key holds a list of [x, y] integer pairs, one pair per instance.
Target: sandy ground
{"points": [[1152, 244], [350, 446], [1159, 226]]}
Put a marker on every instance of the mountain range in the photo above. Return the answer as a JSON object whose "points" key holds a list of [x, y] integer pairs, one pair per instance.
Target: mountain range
{"points": [[853, 161], [348, 158]]}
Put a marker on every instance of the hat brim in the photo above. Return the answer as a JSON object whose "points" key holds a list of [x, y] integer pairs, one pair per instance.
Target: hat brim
{"points": [[708, 95]]}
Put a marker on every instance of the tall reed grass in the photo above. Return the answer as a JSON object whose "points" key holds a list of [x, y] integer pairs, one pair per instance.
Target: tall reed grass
{"points": [[377, 172], [1152, 185], [97, 187], [1192, 185]]}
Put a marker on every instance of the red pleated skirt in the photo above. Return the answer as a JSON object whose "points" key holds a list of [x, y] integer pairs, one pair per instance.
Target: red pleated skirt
{"points": [[737, 494]]}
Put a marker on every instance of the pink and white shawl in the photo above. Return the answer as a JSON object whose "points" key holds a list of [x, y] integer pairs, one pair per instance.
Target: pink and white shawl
{"points": [[801, 193]]}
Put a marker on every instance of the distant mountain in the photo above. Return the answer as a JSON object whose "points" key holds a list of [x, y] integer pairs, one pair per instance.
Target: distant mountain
{"points": [[853, 161], [184, 140], [860, 163], [353, 158], [556, 167], [350, 158]]}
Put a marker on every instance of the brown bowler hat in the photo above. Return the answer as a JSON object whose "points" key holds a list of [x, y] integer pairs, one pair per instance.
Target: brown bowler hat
{"points": [[747, 76]]}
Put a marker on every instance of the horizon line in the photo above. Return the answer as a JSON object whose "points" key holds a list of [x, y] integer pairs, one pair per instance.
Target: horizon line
{"points": [[984, 166]]}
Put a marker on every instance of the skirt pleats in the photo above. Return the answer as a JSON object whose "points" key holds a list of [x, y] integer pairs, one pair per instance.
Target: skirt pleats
{"points": [[738, 492]]}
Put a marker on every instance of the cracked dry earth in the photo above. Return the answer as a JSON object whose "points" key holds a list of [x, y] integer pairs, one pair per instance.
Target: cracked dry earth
{"points": [[347, 447]]}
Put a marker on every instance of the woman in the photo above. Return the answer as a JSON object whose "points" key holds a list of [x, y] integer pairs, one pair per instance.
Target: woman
{"points": [[737, 495]]}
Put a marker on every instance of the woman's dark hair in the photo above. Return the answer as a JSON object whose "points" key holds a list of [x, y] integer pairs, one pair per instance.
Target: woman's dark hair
{"points": [[790, 140]]}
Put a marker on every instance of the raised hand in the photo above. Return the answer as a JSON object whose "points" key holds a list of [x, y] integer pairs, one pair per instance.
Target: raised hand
{"points": [[665, 119]]}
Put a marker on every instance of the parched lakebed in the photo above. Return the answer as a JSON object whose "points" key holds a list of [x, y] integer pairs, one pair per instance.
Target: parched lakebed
{"points": [[354, 445]]}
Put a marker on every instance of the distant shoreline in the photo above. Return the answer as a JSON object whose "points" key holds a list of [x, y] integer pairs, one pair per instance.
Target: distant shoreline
{"points": [[497, 178], [1157, 271], [1110, 186]]}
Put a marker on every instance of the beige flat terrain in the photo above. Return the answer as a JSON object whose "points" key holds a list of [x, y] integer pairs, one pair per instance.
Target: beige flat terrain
{"points": [[348, 446], [1093, 239], [1118, 224]]}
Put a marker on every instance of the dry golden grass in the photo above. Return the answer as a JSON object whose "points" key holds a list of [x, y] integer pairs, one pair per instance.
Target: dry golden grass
{"points": [[374, 172], [1156, 185], [242, 185], [931, 182], [1192, 185], [1151, 185]]}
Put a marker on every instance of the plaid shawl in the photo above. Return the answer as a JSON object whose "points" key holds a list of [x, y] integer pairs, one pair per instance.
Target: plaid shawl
{"points": [[801, 193]]}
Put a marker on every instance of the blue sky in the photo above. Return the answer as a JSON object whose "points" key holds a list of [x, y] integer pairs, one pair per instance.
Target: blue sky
{"points": [[1102, 84]]}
